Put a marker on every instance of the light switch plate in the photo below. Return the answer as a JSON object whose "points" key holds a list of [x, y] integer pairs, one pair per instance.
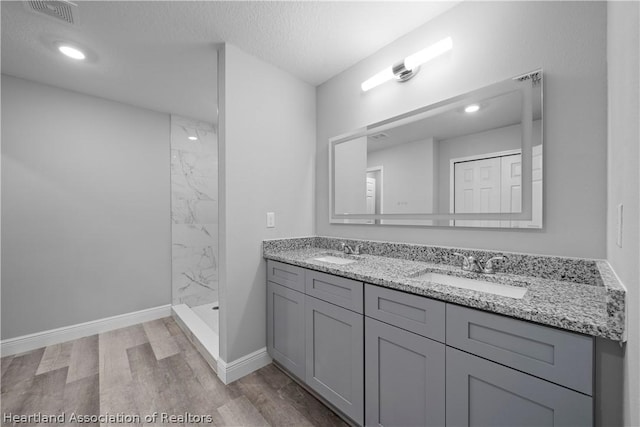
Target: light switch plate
{"points": [[271, 219]]}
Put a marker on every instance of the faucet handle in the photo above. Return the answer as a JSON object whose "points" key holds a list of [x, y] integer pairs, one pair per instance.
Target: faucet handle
{"points": [[488, 266], [466, 263], [346, 248]]}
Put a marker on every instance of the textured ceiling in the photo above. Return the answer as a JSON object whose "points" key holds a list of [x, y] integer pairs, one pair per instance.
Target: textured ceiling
{"points": [[161, 55]]}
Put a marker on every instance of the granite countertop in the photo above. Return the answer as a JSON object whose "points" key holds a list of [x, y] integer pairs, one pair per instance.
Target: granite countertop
{"points": [[595, 307]]}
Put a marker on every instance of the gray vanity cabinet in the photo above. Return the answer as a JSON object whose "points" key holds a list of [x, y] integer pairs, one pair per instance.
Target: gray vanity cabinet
{"points": [[427, 362], [315, 329], [405, 377], [335, 355], [285, 328], [483, 393]]}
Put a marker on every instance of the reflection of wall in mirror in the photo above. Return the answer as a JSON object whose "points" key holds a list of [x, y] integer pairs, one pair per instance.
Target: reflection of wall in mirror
{"points": [[350, 163], [410, 177], [492, 141]]}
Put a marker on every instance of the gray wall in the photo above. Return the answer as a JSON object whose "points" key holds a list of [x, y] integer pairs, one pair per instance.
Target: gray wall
{"points": [[349, 172], [267, 145], [623, 44], [409, 176], [85, 208], [494, 41]]}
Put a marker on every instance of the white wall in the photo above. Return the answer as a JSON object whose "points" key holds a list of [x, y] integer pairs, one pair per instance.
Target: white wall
{"points": [[623, 53], [495, 41], [267, 145], [85, 208]]}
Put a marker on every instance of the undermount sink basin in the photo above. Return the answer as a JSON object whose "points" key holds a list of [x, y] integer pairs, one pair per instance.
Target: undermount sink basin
{"points": [[517, 292], [334, 260]]}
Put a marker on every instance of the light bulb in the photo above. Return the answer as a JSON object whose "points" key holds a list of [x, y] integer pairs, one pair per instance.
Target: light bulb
{"points": [[412, 62], [378, 79]]}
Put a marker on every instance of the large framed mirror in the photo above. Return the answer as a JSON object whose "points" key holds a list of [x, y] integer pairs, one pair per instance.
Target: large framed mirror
{"points": [[474, 160]]}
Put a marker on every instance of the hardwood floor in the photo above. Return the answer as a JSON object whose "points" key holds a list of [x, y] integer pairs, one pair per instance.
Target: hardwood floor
{"points": [[145, 369]]}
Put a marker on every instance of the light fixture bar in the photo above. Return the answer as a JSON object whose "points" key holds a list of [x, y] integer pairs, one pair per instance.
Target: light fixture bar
{"points": [[410, 63], [378, 79], [425, 55]]}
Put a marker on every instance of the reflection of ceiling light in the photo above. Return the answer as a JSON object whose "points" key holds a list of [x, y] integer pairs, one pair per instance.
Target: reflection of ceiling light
{"points": [[192, 134], [471, 108], [408, 67], [72, 52]]}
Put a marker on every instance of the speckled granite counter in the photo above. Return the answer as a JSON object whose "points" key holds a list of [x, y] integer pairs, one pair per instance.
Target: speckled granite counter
{"points": [[574, 294]]}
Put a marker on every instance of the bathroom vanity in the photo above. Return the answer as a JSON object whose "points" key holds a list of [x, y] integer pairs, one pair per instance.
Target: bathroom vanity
{"points": [[382, 341]]}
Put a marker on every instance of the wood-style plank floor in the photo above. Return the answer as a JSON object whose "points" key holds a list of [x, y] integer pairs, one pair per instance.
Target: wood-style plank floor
{"points": [[145, 369]]}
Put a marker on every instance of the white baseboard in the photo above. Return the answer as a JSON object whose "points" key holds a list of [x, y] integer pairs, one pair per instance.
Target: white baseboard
{"points": [[229, 372], [55, 336]]}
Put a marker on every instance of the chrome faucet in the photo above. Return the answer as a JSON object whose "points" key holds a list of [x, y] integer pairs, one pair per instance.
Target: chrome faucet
{"points": [[470, 263], [349, 250]]}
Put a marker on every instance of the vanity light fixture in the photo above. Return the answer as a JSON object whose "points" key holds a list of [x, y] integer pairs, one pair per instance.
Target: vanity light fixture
{"points": [[471, 108], [407, 68], [72, 52], [192, 138]]}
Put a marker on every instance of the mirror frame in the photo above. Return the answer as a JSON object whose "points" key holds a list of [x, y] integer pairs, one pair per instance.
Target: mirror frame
{"points": [[524, 83]]}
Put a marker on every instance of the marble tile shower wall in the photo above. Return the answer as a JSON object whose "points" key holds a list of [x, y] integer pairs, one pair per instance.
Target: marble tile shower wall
{"points": [[194, 212]]}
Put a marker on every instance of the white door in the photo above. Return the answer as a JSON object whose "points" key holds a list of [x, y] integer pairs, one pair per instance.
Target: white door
{"points": [[536, 189], [495, 185], [512, 191], [371, 198], [477, 190], [511, 187]]}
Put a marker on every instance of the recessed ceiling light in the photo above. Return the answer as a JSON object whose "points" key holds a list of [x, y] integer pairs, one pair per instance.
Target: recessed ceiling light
{"points": [[471, 108], [72, 52], [192, 138]]}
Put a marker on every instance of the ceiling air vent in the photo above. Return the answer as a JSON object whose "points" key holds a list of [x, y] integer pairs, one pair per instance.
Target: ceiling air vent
{"points": [[60, 9], [379, 136]]}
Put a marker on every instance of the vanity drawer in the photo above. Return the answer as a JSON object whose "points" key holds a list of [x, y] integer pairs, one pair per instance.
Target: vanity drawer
{"points": [[562, 357], [413, 313], [286, 275], [343, 292]]}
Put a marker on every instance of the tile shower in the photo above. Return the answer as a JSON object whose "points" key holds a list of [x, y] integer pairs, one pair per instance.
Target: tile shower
{"points": [[194, 227]]}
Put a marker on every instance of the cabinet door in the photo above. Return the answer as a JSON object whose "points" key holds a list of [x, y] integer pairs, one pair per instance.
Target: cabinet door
{"points": [[484, 393], [285, 327], [335, 357], [404, 377]]}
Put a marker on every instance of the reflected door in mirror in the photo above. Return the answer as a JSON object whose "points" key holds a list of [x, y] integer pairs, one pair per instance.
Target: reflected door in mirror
{"points": [[493, 184]]}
